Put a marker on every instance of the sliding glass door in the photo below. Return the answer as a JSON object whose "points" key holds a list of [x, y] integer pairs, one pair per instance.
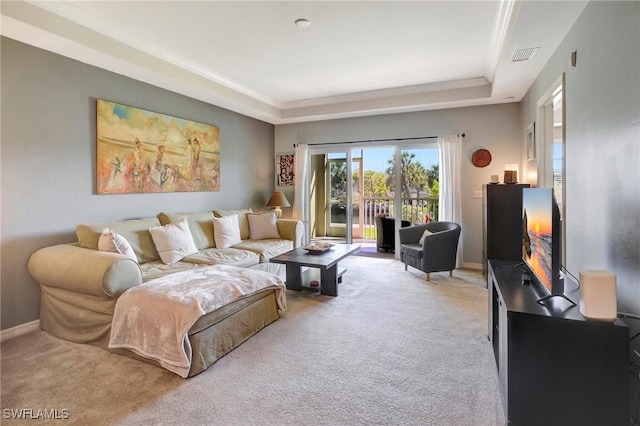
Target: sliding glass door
{"points": [[351, 186], [420, 187]]}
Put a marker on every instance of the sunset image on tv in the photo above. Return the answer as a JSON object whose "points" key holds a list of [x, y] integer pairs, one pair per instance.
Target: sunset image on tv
{"points": [[537, 234]]}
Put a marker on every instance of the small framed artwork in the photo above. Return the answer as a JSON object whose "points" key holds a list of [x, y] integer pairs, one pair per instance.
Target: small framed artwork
{"points": [[285, 169], [531, 141]]}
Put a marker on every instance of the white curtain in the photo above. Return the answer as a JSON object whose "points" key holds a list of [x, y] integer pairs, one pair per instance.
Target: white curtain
{"points": [[301, 191], [450, 202]]}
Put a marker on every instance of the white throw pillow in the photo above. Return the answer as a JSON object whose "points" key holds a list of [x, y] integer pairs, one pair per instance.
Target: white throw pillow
{"points": [[425, 234], [173, 241], [110, 241], [262, 226], [226, 231]]}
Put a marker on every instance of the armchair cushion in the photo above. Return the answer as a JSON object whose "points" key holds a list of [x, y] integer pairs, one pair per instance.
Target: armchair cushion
{"points": [[425, 234]]}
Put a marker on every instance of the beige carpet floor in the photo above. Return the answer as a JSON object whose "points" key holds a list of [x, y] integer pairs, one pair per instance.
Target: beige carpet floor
{"points": [[391, 349]]}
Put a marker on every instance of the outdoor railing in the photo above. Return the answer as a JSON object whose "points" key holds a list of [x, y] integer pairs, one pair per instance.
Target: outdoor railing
{"points": [[414, 210]]}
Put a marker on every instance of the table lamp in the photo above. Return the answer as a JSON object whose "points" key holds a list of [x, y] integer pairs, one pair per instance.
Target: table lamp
{"points": [[278, 200]]}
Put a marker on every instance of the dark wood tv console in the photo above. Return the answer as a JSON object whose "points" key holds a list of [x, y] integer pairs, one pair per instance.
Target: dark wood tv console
{"points": [[555, 367]]}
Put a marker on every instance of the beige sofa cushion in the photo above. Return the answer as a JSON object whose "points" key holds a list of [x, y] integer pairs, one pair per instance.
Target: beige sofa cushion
{"points": [[200, 224], [242, 219], [135, 231], [173, 241], [226, 231], [227, 256], [212, 256], [115, 243], [262, 225], [151, 270], [266, 249]]}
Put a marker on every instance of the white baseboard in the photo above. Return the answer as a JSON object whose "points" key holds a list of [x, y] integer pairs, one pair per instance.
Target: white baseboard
{"points": [[19, 330], [469, 265]]}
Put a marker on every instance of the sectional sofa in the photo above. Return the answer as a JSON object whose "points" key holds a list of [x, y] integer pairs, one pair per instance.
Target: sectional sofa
{"points": [[81, 284]]}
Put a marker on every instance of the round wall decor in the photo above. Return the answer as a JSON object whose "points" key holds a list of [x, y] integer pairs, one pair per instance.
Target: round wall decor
{"points": [[481, 158]]}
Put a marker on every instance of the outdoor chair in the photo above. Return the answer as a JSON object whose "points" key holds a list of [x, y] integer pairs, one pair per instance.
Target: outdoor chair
{"points": [[385, 232]]}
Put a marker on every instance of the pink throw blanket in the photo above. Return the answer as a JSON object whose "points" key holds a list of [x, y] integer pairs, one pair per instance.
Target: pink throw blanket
{"points": [[152, 319]]}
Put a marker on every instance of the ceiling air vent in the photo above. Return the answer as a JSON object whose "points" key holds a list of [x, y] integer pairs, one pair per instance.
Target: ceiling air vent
{"points": [[525, 54]]}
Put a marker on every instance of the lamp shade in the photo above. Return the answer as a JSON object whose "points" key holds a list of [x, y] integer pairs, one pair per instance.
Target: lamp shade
{"points": [[278, 200]]}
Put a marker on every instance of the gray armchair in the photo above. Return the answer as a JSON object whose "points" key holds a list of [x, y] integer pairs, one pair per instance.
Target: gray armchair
{"points": [[436, 253]]}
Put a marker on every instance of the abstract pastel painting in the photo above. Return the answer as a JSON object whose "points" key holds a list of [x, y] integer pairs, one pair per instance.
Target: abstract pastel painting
{"points": [[140, 151]]}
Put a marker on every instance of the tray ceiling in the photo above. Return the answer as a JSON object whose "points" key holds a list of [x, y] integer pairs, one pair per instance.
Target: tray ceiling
{"points": [[356, 58]]}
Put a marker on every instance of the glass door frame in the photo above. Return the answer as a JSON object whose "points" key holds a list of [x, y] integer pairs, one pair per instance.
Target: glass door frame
{"points": [[348, 217], [346, 148], [545, 115]]}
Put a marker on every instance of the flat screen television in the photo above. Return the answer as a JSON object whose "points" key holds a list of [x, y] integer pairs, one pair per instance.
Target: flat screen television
{"points": [[541, 240]]}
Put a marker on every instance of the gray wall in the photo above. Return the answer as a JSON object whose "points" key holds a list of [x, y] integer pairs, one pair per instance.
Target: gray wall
{"points": [[602, 142], [494, 127], [48, 161]]}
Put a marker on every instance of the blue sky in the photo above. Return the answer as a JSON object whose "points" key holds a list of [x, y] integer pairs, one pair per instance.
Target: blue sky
{"points": [[377, 159]]}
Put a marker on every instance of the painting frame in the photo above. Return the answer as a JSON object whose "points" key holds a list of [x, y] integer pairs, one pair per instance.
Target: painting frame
{"points": [[285, 169], [531, 141], [142, 151]]}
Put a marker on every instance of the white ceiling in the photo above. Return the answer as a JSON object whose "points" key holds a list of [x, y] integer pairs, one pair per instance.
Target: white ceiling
{"points": [[356, 58]]}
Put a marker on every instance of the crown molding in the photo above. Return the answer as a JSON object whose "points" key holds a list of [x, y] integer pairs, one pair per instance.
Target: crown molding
{"points": [[62, 28]]}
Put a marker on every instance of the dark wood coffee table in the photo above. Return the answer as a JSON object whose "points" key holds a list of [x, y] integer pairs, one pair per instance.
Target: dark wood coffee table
{"points": [[326, 263]]}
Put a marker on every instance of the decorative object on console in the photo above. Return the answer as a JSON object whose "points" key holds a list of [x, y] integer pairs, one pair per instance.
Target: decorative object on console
{"points": [[511, 173], [278, 200], [598, 295], [481, 158], [140, 151], [494, 179], [318, 247]]}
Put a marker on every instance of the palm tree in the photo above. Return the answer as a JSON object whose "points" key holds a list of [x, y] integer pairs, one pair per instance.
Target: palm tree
{"points": [[433, 175], [405, 161], [415, 178]]}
